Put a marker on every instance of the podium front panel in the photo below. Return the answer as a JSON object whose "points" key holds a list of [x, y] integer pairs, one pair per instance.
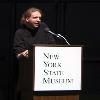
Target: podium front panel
{"points": [[57, 68]]}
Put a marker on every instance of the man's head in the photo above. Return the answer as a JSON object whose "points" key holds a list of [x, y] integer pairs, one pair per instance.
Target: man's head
{"points": [[32, 17]]}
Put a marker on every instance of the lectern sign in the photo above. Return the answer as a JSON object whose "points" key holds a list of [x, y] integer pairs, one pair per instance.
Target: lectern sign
{"points": [[57, 68]]}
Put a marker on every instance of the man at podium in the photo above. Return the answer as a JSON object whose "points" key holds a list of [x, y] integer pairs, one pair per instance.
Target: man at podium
{"points": [[31, 32]]}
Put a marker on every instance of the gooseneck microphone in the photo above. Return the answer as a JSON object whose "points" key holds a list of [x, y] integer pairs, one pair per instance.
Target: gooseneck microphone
{"points": [[57, 35], [48, 30]]}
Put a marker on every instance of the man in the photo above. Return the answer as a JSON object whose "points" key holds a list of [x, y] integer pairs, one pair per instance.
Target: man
{"points": [[31, 32]]}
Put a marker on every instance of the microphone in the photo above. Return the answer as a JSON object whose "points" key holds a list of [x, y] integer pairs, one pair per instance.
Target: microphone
{"points": [[48, 30], [57, 35]]}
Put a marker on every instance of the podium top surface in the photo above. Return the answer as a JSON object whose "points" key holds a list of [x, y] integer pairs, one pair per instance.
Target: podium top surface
{"points": [[56, 45]]}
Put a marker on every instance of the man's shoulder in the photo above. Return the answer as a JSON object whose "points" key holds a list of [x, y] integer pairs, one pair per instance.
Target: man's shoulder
{"points": [[21, 31]]}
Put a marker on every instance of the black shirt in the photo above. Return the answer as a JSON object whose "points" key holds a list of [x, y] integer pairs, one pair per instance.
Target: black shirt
{"points": [[25, 37]]}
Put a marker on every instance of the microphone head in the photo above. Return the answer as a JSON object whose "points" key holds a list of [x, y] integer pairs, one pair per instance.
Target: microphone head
{"points": [[47, 29]]}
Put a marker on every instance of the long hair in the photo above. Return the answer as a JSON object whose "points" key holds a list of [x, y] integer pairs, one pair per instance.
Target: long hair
{"points": [[27, 14]]}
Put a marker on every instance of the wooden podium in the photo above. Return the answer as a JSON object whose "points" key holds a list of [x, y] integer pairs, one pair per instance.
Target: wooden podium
{"points": [[69, 97], [53, 53], [52, 72]]}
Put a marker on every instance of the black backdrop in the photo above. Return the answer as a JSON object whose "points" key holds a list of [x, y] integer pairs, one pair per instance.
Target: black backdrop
{"points": [[77, 20]]}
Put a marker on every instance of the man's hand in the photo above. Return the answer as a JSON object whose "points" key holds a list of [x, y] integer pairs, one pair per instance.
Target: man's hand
{"points": [[23, 54]]}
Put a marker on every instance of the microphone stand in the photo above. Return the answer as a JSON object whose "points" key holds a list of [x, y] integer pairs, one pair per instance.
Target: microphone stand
{"points": [[57, 35], [64, 38]]}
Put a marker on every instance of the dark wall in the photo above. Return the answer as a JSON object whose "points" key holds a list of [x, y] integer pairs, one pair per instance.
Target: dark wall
{"points": [[83, 26], [77, 20], [5, 33]]}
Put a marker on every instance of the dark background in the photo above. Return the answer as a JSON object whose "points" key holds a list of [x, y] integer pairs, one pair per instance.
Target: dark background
{"points": [[77, 20]]}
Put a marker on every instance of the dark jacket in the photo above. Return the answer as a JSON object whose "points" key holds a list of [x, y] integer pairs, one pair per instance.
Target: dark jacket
{"points": [[25, 37]]}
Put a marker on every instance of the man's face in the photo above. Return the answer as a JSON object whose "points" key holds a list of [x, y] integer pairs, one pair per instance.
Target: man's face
{"points": [[35, 19]]}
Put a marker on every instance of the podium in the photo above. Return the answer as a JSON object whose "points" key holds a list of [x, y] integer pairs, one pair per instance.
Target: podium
{"points": [[52, 72], [69, 97], [57, 72]]}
